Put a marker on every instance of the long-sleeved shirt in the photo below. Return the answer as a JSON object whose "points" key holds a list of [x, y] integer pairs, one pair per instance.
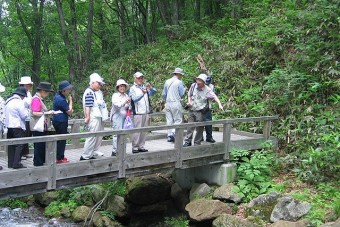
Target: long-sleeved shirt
{"points": [[15, 112], [173, 90]]}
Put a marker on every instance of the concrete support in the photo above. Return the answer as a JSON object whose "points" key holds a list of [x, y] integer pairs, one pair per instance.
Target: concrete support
{"points": [[216, 174]]}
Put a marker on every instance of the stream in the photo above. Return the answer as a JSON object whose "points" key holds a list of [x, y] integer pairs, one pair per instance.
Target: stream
{"points": [[30, 217]]}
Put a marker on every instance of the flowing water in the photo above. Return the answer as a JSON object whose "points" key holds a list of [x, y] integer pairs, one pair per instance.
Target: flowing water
{"points": [[30, 217]]}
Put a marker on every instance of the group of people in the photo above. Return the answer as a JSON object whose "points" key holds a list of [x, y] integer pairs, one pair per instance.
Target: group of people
{"points": [[23, 113]]}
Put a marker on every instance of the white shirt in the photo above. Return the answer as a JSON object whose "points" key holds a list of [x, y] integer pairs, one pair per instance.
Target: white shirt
{"points": [[15, 112], [27, 100]]}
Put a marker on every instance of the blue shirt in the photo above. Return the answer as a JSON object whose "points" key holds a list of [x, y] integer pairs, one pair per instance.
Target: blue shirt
{"points": [[60, 103]]}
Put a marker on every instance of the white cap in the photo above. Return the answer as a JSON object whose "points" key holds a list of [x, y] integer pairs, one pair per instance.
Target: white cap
{"points": [[138, 74], [94, 77], [122, 82], [2, 88], [25, 80], [202, 77], [178, 71]]}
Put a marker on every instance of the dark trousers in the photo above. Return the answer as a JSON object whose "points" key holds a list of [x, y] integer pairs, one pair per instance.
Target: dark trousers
{"points": [[208, 128], [39, 150], [60, 128], [28, 133], [14, 151]]}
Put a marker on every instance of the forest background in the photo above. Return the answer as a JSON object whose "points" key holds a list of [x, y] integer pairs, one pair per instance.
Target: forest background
{"points": [[267, 57]]}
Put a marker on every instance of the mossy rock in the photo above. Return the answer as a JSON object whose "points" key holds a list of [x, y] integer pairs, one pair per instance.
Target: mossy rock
{"points": [[263, 211]]}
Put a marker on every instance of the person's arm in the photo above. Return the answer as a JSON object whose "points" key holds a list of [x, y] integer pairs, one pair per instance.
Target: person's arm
{"points": [[212, 96], [89, 101], [133, 95], [70, 105], [181, 89], [36, 107], [165, 92]]}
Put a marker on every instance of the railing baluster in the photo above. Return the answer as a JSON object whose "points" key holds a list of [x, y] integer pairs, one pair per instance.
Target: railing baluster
{"points": [[226, 140], [75, 128], [121, 155], [178, 146], [50, 161], [266, 129]]}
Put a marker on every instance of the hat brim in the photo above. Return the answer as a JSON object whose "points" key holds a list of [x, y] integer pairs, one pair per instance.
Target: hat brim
{"points": [[126, 85], [22, 83], [21, 94], [178, 73], [44, 89], [69, 87]]}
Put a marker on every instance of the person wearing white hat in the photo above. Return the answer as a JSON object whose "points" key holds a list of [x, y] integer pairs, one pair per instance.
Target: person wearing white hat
{"points": [[27, 83], [198, 96], [141, 108], [172, 94], [2, 115], [120, 105], [93, 102]]}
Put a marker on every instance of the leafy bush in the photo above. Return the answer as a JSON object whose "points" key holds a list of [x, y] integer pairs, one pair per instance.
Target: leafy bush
{"points": [[13, 203], [54, 209], [176, 222], [253, 171]]}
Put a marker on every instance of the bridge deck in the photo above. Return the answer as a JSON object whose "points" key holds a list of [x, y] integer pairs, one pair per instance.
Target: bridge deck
{"points": [[153, 145]]}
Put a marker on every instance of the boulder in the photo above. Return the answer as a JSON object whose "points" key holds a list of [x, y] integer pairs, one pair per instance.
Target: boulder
{"points": [[332, 224], [227, 220], [104, 221], [155, 208], [44, 199], [281, 223], [225, 193], [206, 209], [117, 205], [80, 213], [199, 190], [289, 209], [97, 191], [147, 190], [262, 206], [179, 196]]}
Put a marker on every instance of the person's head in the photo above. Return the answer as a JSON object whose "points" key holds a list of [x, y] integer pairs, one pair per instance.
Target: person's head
{"points": [[201, 80], [26, 82], [178, 72], [65, 88], [122, 86], [21, 91], [96, 81], [44, 89], [209, 79], [138, 78]]}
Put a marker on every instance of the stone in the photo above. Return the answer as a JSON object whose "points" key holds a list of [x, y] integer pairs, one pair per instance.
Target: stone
{"points": [[97, 191], [117, 205], [332, 224], [281, 223], [264, 199], [155, 208], [227, 220], [199, 190], [289, 209], [206, 209], [179, 196], [262, 206], [225, 193], [44, 199], [80, 213], [147, 190]]}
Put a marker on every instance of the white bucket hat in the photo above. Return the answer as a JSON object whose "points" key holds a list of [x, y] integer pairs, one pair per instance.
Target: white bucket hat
{"points": [[178, 71], [202, 77], [122, 82], [25, 80], [138, 74], [2, 88], [95, 77]]}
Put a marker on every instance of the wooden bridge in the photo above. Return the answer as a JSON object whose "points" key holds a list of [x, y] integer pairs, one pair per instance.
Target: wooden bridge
{"points": [[162, 155]]}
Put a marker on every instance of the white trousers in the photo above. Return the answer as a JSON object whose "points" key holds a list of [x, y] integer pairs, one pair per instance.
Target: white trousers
{"points": [[138, 139], [92, 144], [173, 114]]}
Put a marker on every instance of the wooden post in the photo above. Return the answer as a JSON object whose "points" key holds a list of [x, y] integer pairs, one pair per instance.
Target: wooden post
{"points": [[75, 128], [50, 161], [226, 140], [266, 129], [178, 146], [121, 155]]}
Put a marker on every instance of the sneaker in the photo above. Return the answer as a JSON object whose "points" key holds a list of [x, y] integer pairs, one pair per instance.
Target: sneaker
{"points": [[59, 161], [211, 140], [142, 150], [28, 156], [82, 159], [135, 151], [113, 154], [65, 160], [98, 153], [1, 167], [171, 139], [186, 144], [20, 166]]}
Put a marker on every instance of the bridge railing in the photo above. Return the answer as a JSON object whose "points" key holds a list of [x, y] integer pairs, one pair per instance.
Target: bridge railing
{"points": [[122, 156]]}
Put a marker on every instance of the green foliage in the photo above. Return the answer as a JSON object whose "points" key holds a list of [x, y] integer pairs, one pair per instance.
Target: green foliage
{"points": [[176, 221], [117, 187], [325, 203], [55, 208], [13, 203], [254, 171], [108, 214]]}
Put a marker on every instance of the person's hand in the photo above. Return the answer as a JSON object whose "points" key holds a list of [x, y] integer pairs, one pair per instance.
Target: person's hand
{"points": [[148, 86], [221, 107], [51, 112], [128, 101], [144, 90], [70, 98]]}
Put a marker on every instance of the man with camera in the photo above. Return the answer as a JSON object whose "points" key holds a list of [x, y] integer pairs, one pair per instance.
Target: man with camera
{"points": [[198, 96]]}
